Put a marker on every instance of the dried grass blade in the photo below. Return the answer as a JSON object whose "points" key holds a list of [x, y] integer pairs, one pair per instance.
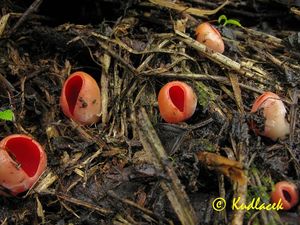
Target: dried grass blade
{"points": [[189, 10], [237, 92]]}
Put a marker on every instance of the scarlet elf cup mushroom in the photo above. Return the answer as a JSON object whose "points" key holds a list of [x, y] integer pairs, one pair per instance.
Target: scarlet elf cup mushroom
{"points": [[80, 98], [210, 37], [177, 102], [22, 161], [286, 192], [273, 110]]}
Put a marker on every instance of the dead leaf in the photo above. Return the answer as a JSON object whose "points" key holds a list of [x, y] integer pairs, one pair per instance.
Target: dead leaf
{"points": [[230, 168]]}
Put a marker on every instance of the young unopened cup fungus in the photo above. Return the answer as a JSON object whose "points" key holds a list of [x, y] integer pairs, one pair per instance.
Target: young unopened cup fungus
{"points": [[210, 36]]}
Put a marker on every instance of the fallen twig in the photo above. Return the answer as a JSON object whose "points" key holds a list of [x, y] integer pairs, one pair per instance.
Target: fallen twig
{"points": [[173, 189]]}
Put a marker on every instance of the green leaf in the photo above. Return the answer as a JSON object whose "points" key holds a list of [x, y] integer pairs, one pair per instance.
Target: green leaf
{"points": [[7, 115], [221, 18], [228, 21], [233, 22]]}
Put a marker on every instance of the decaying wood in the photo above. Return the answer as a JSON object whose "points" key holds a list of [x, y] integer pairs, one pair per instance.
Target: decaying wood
{"points": [[230, 168], [185, 9], [173, 188], [225, 61]]}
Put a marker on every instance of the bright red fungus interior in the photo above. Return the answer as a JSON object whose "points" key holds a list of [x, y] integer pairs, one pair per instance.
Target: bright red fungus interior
{"points": [[73, 88], [26, 153], [177, 97]]}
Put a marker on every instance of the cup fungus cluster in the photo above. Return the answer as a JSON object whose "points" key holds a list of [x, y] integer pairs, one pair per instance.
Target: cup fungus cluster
{"points": [[287, 192], [22, 161], [81, 101]]}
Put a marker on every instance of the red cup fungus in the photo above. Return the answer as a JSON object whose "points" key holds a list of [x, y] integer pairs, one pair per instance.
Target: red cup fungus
{"points": [[275, 123], [80, 98], [210, 37], [176, 102], [287, 192], [22, 161]]}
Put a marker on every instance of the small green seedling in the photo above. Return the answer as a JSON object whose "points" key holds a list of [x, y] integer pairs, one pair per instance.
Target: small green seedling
{"points": [[228, 21], [7, 115]]}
